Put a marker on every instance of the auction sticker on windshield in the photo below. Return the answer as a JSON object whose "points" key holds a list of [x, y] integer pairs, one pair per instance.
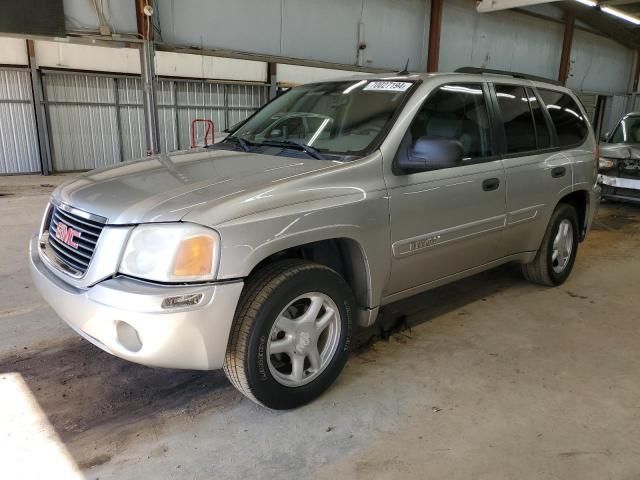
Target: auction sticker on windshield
{"points": [[388, 86]]}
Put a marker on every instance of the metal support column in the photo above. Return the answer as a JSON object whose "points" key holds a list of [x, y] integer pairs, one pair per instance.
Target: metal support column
{"points": [[565, 58], [152, 134], [144, 11], [435, 27], [116, 98], [598, 115], [272, 80], [38, 105]]}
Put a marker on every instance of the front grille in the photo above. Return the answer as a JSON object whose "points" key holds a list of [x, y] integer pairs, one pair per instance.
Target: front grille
{"points": [[629, 168], [77, 259]]}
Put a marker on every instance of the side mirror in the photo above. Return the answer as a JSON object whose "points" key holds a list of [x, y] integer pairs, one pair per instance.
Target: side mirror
{"points": [[429, 154]]}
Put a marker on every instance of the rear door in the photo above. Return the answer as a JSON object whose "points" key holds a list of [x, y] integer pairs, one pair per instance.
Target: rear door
{"points": [[537, 171], [450, 220]]}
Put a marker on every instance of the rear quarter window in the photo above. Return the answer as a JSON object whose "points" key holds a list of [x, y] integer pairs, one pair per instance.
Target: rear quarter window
{"points": [[571, 126]]}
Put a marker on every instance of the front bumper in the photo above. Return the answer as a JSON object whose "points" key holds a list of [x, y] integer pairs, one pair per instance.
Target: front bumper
{"points": [[124, 317], [620, 188]]}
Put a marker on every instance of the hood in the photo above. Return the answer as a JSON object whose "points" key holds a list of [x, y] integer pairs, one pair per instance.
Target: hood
{"points": [[620, 151], [166, 187]]}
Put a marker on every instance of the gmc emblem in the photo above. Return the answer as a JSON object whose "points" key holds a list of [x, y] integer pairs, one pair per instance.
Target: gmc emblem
{"points": [[66, 234]]}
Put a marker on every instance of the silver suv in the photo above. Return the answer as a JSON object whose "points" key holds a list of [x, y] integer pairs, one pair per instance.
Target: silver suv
{"points": [[260, 253]]}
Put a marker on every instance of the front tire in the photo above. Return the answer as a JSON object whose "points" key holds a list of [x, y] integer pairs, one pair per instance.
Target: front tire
{"points": [[291, 334], [555, 258]]}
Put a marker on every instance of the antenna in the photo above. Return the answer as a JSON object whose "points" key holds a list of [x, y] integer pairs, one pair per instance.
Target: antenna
{"points": [[406, 69]]}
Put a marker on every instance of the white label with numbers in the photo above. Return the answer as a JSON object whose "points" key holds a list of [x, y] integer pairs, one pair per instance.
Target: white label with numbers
{"points": [[387, 86]]}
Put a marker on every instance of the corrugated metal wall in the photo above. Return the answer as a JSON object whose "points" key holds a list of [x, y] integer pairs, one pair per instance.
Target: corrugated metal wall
{"points": [[18, 137], [97, 120], [199, 100], [503, 40], [242, 101], [82, 121], [589, 102], [131, 118], [599, 64]]}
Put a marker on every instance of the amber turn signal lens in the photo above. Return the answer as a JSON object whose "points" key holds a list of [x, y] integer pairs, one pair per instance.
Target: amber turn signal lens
{"points": [[194, 257]]}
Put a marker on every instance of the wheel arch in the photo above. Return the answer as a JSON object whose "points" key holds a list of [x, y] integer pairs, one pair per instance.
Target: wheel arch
{"points": [[579, 199], [345, 255]]}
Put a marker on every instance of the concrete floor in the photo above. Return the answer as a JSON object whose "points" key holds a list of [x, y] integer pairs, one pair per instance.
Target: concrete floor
{"points": [[494, 378]]}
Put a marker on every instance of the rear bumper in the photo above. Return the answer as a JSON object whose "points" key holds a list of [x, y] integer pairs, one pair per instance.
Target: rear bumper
{"points": [[125, 317], [620, 188]]}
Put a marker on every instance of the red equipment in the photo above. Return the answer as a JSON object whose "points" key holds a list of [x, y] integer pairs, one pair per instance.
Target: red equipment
{"points": [[210, 128]]}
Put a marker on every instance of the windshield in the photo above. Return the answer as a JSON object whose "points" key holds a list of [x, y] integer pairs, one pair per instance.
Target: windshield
{"points": [[628, 131], [344, 118]]}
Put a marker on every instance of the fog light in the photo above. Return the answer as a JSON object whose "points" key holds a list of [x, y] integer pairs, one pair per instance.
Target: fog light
{"points": [[182, 300], [128, 336]]}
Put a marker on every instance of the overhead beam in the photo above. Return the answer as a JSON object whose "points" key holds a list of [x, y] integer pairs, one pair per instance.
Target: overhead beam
{"points": [[565, 58], [435, 28], [486, 6], [604, 23]]}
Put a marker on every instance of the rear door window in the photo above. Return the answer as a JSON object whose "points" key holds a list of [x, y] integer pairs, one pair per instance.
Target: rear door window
{"points": [[517, 118], [571, 126]]}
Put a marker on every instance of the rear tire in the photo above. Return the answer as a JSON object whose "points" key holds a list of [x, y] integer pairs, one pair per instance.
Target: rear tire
{"points": [[557, 253], [291, 334]]}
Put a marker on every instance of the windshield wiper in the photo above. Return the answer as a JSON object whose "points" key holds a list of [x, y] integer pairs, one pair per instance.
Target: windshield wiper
{"points": [[308, 149], [240, 141]]}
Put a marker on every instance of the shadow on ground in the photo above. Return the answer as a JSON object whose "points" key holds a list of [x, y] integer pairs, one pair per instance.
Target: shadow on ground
{"points": [[419, 309]]}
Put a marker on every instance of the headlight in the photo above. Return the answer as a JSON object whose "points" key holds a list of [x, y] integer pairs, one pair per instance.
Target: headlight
{"points": [[606, 164], [171, 252]]}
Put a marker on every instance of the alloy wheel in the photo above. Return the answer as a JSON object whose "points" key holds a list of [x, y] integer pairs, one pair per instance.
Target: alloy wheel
{"points": [[303, 340], [562, 246]]}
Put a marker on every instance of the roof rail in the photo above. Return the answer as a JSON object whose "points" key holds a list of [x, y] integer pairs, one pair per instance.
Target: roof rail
{"points": [[508, 73]]}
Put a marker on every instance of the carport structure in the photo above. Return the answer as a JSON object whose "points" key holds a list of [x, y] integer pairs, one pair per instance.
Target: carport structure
{"points": [[97, 85]]}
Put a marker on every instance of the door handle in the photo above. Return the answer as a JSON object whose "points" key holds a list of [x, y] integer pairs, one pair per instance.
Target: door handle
{"points": [[558, 172], [490, 184]]}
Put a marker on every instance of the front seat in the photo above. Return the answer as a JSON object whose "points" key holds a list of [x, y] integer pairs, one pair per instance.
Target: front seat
{"points": [[444, 126]]}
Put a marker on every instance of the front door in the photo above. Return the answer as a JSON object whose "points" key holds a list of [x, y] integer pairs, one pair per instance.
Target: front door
{"points": [[446, 221]]}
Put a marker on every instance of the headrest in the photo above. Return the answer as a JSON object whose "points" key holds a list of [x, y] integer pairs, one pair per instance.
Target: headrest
{"points": [[443, 125]]}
